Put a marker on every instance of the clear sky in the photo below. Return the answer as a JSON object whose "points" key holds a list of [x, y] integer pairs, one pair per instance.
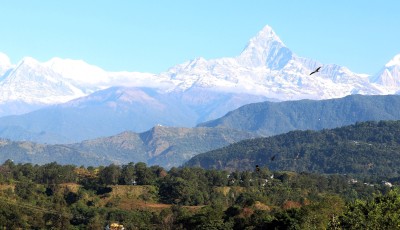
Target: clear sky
{"points": [[151, 36]]}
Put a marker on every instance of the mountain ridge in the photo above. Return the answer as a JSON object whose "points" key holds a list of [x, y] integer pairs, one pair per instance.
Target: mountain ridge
{"points": [[164, 146], [272, 118]]}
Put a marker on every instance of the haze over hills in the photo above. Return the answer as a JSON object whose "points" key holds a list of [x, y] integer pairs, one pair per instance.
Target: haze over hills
{"points": [[112, 111], [164, 146], [168, 146]]}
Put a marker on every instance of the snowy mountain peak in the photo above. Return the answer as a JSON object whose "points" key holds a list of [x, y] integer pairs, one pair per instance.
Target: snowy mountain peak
{"points": [[28, 61], [389, 75], [265, 49], [395, 61], [264, 40], [267, 33]]}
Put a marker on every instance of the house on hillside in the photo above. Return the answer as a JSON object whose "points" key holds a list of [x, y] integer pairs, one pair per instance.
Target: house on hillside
{"points": [[114, 226]]}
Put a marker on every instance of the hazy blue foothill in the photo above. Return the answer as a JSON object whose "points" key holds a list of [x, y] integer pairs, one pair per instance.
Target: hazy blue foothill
{"points": [[271, 118], [164, 146]]}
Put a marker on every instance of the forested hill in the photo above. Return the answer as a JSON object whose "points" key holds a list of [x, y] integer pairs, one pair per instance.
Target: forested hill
{"points": [[272, 118], [369, 148]]}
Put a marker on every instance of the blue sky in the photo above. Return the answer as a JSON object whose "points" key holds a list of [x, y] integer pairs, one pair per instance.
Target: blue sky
{"points": [[151, 36]]}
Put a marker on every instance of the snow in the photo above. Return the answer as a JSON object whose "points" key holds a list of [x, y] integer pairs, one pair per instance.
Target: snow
{"points": [[29, 61], [267, 33], [78, 70], [394, 62], [389, 76]]}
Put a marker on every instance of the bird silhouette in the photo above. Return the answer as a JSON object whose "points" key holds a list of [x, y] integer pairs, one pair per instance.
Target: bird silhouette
{"points": [[273, 158], [315, 70]]}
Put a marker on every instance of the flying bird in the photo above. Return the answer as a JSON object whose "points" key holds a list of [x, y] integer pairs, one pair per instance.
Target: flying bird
{"points": [[273, 157], [315, 70]]}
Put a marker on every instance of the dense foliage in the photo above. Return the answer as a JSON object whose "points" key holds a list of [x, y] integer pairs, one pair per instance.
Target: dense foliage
{"points": [[54, 196], [365, 149]]}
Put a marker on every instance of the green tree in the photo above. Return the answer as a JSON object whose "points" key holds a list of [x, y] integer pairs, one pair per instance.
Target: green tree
{"points": [[25, 189], [128, 173], [144, 176], [110, 175], [54, 174], [383, 212], [319, 214]]}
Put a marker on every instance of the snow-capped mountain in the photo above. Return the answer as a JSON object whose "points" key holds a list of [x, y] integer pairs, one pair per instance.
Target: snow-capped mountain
{"points": [[389, 75], [266, 68], [33, 83], [30, 84]]}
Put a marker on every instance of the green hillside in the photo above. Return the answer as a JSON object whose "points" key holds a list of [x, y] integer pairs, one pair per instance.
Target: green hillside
{"points": [[367, 148]]}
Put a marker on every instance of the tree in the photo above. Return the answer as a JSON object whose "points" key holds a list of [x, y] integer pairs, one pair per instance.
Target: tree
{"points": [[172, 190], [216, 178], [25, 189], [53, 174], [383, 212], [128, 173], [143, 174], [319, 214], [110, 175]]}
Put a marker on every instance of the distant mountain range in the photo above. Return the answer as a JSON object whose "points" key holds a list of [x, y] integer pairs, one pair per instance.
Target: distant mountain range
{"points": [[369, 149], [204, 89], [115, 110], [169, 146], [164, 146]]}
